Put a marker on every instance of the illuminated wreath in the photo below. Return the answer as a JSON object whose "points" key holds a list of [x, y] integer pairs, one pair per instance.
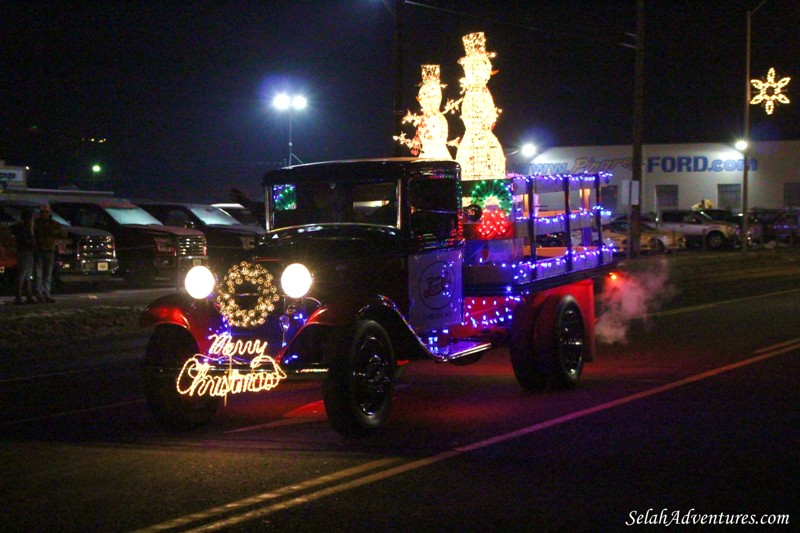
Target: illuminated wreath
{"points": [[226, 295], [493, 189]]}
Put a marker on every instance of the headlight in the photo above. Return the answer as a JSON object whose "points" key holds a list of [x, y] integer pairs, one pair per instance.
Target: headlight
{"points": [[296, 280], [199, 282]]}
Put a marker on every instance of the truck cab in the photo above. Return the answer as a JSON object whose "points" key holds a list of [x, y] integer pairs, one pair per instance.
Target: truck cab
{"points": [[363, 269]]}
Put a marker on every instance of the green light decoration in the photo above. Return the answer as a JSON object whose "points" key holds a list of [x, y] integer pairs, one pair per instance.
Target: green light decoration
{"points": [[487, 190], [286, 199]]}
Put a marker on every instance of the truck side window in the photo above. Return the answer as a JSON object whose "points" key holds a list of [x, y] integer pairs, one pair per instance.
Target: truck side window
{"points": [[86, 217], [375, 203], [176, 217]]}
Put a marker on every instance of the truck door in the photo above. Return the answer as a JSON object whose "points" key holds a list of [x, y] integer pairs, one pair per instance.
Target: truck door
{"points": [[437, 254]]}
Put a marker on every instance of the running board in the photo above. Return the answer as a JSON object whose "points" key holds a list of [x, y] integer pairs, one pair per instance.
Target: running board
{"points": [[457, 349]]}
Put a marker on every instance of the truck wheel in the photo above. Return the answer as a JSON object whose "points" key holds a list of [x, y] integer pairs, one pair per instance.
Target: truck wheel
{"points": [[714, 240], [169, 348], [358, 389], [554, 354]]}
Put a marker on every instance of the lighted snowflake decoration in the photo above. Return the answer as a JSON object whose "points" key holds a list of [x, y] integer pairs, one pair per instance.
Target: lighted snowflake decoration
{"points": [[770, 91]]}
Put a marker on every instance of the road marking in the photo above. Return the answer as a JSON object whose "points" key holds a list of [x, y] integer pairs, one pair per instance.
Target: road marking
{"points": [[68, 413], [778, 346], [266, 496], [721, 302], [245, 516], [48, 375]]}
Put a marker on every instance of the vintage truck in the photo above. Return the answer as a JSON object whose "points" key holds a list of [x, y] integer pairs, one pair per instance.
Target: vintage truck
{"points": [[369, 264]]}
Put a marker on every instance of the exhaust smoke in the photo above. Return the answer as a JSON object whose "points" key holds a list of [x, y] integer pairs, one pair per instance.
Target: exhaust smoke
{"points": [[631, 297]]}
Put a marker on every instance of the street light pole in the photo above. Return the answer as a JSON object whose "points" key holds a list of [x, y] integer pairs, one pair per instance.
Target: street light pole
{"points": [[284, 102], [291, 112], [746, 151], [747, 143], [634, 222]]}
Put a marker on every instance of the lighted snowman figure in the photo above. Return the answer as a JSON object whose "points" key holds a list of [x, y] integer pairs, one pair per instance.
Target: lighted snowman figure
{"points": [[479, 152], [432, 130]]}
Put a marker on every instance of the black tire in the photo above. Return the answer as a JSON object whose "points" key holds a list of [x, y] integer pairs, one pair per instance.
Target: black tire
{"points": [[715, 240], [553, 355], [360, 384], [169, 348]]}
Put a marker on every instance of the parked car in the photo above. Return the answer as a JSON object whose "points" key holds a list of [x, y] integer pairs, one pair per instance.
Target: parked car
{"points": [[786, 227], [650, 239], [766, 219], [699, 229], [228, 240], [87, 255], [148, 251]]}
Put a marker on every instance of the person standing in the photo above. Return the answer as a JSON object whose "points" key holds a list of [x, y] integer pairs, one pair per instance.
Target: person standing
{"points": [[46, 232], [23, 232]]}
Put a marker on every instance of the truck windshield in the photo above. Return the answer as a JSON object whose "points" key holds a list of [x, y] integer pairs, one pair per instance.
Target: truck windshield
{"points": [[132, 215], [214, 216], [322, 202]]}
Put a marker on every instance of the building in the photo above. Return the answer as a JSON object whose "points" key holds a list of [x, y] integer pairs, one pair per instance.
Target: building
{"points": [[12, 176], [681, 175], [14, 186]]}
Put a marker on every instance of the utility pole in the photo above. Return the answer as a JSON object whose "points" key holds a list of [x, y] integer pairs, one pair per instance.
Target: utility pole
{"points": [[634, 226]]}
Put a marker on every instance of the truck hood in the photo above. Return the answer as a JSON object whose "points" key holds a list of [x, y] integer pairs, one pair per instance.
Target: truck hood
{"points": [[83, 231], [157, 229], [233, 231], [345, 259], [329, 247]]}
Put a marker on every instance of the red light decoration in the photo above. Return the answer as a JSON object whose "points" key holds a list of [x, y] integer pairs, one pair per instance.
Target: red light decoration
{"points": [[495, 225]]}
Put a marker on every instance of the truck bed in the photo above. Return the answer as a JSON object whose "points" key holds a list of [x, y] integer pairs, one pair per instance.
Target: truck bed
{"points": [[553, 267]]}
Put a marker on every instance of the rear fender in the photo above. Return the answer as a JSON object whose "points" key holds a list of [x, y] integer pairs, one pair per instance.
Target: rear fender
{"points": [[527, 311]]}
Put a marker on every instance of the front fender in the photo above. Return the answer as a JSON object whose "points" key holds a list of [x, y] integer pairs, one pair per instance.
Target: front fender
{"points": [[198, 317], [318, 339]]}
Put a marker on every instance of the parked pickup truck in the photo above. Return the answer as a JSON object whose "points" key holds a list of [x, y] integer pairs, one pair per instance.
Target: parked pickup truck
{"points": [[370, 264], [87, 255], [148, 251], [228, 240]]}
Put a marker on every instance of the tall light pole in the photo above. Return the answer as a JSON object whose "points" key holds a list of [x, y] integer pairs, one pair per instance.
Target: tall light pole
{"points": [[635, 219], [747, 143], [290, 103], [399, 111]]}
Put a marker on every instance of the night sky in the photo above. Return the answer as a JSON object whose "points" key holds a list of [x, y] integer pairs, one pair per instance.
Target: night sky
{"points": [[181, 92]]}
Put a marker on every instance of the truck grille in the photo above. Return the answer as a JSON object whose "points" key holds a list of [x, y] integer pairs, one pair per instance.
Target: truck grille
{"points": [[270, 331], [96, 247], [192, 245]]}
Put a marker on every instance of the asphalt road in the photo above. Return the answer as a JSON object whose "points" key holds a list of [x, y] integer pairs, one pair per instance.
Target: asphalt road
{"points": [[693, 418]]}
